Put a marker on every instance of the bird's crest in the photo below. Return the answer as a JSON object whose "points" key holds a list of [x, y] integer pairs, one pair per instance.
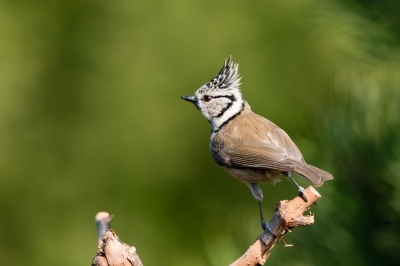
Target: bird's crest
{"points": [[227, 77]]}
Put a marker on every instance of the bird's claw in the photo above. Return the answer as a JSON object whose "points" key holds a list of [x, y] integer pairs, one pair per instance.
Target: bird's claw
{"points": [[265, 226], [301, 194]]}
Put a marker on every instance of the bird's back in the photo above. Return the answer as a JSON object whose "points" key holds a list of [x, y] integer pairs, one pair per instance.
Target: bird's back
{"points": [[250, 127]]}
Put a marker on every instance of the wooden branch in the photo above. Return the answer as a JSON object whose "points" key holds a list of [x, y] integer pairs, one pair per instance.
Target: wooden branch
{"points": [[288, 214], [111, 250], [103, 220]]}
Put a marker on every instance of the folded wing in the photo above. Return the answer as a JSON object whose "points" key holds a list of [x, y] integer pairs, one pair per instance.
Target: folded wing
{"points": [[263, 155]]}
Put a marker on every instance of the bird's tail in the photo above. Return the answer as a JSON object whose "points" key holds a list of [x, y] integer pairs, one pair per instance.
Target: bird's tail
{"points": [[313, 174]]}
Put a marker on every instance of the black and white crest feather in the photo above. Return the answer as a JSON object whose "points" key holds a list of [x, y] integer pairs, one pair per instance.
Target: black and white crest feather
{"points": [[227, 77]]}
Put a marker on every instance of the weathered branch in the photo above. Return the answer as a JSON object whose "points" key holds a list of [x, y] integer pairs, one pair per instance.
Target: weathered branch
{"points": [[103, 220], [288, 214], [111, 250]]}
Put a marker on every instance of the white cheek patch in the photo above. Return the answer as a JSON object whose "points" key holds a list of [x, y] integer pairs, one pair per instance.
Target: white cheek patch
{"points": [[235, 108], [219, 106]]}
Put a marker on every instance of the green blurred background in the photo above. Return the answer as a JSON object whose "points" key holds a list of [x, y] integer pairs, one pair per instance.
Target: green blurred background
{"points": [[91, 120]]}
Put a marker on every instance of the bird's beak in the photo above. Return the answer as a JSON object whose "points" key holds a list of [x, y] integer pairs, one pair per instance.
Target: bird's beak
{"points": [[189, 98]]}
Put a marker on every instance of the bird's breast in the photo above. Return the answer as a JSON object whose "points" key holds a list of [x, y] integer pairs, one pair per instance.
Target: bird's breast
{"points": [[219, 154]]}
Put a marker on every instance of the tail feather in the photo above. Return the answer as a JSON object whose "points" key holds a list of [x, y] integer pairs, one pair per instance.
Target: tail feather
{"points": [[313, 174]]}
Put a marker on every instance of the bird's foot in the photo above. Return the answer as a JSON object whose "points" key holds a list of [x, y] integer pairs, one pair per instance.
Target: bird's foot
{"points": [[301, 193], [265, 226]]}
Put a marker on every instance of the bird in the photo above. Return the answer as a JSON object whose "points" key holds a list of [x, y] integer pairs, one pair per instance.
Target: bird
{"points": [[248, 146]]}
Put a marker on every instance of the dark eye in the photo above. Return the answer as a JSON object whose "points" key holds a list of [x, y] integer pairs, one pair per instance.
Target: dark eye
{"points": [[206, 98]]}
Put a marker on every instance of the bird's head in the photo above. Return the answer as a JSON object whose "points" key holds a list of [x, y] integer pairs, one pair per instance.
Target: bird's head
{"points": [[220, 99]]}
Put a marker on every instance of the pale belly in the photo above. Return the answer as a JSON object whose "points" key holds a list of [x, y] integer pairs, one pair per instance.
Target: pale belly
{"points": [[248, 175]]}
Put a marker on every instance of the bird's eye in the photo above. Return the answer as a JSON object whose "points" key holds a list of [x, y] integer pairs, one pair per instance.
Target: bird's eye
{"points": [[206, 98]]}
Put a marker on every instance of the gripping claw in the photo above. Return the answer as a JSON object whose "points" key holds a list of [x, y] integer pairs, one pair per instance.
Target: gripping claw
{"points": [[301, 193], [265, 226]]}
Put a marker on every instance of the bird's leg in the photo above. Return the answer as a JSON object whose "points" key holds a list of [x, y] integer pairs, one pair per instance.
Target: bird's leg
{"points": [[264, 224], [299, 188], [257, 193]]}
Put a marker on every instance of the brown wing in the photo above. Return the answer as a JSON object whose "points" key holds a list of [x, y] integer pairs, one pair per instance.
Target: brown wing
{"points": [[281, 139], [260, 154], [263, 155]]}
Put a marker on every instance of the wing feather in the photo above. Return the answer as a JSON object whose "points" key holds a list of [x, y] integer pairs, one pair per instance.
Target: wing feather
{"points": [[281, 139], [260, 154]]}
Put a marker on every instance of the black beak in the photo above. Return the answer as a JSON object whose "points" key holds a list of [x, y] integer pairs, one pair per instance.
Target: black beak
{"points": [[191, 99]]}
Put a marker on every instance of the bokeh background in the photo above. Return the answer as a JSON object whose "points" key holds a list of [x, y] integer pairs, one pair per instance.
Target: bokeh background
{"points": [[91, 120]]}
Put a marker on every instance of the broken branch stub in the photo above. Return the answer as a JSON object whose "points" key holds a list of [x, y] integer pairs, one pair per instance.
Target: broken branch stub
{"points": [[113, 252]]}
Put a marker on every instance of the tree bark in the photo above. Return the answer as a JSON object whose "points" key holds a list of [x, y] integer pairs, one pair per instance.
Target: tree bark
{"points": [[288, 214], [111, 250]]}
